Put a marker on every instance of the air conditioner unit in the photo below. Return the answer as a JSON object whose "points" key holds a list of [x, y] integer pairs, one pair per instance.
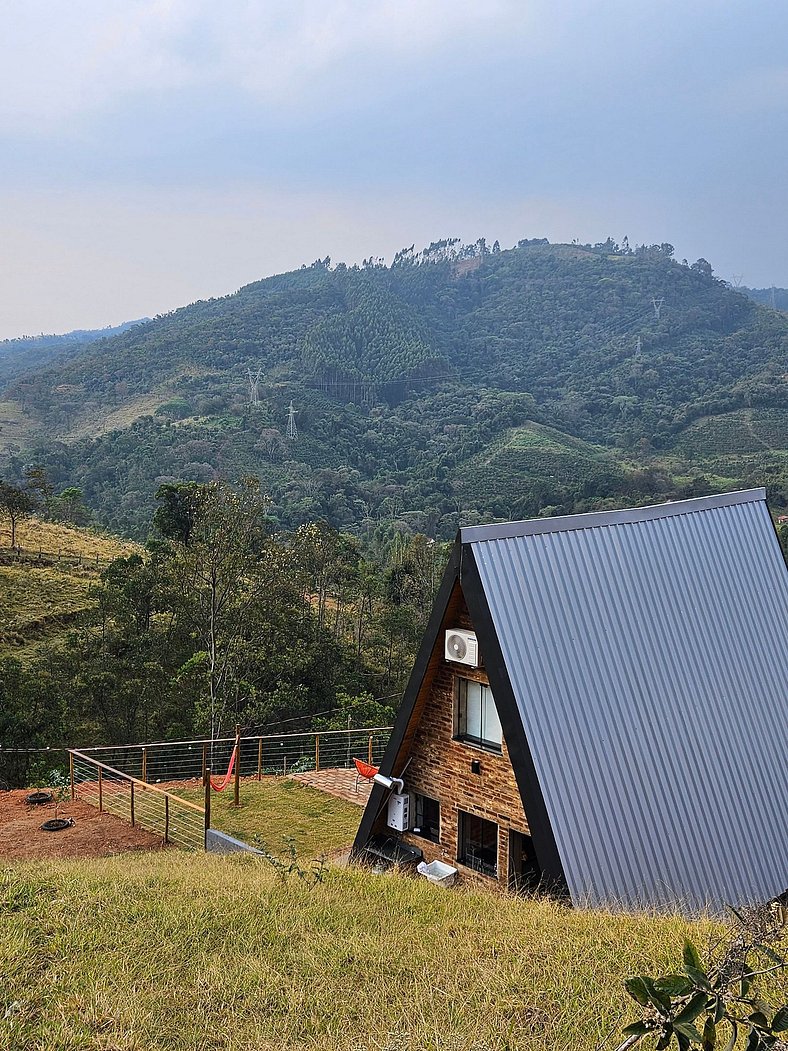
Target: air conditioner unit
{"points": [[398, 813], [462, 647]]}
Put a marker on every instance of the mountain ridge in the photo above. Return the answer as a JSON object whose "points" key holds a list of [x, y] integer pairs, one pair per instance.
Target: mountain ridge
{"points": [[402, 375]]}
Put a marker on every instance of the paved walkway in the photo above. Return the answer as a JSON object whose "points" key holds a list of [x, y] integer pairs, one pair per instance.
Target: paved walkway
{"points": [[337, 782]]}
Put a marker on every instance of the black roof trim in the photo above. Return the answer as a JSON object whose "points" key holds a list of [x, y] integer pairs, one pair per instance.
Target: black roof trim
{"points": [[594, 519], [379, 794]]}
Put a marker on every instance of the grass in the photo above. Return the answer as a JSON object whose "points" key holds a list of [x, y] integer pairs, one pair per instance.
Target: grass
{"points": [[33, 533], [38, 602], [277, 809], [16, 427], [181, 952]]}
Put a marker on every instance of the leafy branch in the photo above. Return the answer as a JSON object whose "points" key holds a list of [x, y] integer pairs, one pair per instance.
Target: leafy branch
{"points": [[705, 1005]]}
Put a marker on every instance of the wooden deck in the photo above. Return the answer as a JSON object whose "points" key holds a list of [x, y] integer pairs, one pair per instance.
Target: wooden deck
{"points": [[337, 782]]}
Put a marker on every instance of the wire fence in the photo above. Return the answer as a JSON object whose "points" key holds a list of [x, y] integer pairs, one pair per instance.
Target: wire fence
{"points": [[38, 554], [171, 762], [176, 820]]}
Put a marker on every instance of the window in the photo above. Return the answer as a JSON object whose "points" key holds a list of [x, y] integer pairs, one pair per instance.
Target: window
{"points": [[478, 844], [428, 818], [477, 718]]}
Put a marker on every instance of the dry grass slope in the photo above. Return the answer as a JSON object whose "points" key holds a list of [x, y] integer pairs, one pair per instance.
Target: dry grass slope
{"points": [[179, 952], [53, 537], [38, 601]]}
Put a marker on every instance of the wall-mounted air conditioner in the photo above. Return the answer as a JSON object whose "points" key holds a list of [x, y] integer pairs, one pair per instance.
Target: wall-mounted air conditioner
{"points": [[398, 813], [462, 647]]}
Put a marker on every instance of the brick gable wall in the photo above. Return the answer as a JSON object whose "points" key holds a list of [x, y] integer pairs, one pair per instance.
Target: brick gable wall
{"points": [[440, 767]]}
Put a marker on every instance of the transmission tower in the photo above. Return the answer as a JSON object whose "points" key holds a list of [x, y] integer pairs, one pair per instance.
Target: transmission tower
{"points": [[292, 430], [639, 346], [254, 382], [657, 305], [737, 280], [774, 304]]}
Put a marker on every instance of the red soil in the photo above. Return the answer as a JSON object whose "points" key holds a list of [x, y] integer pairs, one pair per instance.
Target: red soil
{"points": [[93, 835]]}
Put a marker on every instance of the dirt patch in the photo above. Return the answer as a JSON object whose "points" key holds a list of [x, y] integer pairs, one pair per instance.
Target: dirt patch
{"points": [[93, 835]]}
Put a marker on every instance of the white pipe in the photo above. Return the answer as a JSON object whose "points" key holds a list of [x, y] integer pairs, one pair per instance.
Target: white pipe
{"points": [[389, 782]]}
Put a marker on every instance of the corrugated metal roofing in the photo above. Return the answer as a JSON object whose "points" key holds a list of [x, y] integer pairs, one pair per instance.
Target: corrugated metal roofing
{"points": [[648, 655]]}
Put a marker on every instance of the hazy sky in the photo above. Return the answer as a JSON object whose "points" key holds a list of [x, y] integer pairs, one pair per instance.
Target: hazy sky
{"points": [[159, 151]]}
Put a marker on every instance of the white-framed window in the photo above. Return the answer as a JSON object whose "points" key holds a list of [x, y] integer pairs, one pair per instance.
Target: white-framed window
{"points": [[477, 717]]}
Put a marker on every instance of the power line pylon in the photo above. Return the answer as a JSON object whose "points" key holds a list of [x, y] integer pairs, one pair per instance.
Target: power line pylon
{"points": [[657, 305], [254, 382], [292, 430]]}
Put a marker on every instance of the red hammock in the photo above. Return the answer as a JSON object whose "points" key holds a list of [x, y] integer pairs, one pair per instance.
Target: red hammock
{"points": [[219, 786]]}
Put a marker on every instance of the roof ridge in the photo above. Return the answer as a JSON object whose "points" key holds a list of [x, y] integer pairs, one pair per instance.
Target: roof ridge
{"points": [[596, 519]]}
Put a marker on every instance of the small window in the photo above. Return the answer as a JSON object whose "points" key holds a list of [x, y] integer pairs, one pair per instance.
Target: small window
{"points": [[428, 818], [477, 716], [478, 842]]}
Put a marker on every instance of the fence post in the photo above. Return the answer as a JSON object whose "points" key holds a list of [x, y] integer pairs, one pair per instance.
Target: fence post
{"points": [[101, 801], [317, 753], [71, 775], [167, 818], [237, 781], [204, 761], [259, 759], [132, 804], [369, 751], [144, 764], [207, 782]]}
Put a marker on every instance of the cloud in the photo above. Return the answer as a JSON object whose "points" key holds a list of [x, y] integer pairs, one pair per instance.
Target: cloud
{"points": [[66, 61]]}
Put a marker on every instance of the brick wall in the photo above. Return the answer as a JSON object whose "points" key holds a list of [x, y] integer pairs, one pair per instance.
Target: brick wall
{"points": [[440, 767]]}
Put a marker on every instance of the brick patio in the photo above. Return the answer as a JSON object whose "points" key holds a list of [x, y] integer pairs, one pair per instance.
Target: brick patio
{"points": [[337, 782]]}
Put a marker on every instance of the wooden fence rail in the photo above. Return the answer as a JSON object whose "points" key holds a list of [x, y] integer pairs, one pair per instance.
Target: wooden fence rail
{"points": [[176, 820]]}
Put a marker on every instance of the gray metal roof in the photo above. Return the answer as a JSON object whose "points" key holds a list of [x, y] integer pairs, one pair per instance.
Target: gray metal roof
{"points": [[648, 656]]}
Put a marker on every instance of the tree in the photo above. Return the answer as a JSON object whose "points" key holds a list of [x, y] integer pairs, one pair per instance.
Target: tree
{"points": [[178, 510], [17, 504], [216, 568], [69, 506]]}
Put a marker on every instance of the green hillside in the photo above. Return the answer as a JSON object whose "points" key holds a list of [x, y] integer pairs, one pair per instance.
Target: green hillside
{"points": [[415, 385]]}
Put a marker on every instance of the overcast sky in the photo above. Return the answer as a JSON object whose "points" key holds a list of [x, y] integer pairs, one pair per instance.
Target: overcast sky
{"points": [[159, 151]]}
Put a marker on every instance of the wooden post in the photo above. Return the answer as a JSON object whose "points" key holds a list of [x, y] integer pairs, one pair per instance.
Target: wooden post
{"points": [[144, 764], [207, 782], [167, 819], [132, 804], [369, 751], [237, 781], [71, 775], [204, 761], [100, 792], [260, 759], [317, 753]]}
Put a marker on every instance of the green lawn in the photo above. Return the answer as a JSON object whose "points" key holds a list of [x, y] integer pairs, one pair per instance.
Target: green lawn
{"points": [[183, 952], [277, 808]]}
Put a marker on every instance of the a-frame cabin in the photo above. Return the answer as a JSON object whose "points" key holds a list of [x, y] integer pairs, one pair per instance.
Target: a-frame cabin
{"points": [[620, 735]]}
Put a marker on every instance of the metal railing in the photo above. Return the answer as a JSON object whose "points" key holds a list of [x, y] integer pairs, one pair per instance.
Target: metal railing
{"points": [[176, 820], [170, 762]]}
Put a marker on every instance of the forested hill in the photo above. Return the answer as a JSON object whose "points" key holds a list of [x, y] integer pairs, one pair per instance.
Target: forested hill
{"points": [[18, 356], [459, 383]]}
